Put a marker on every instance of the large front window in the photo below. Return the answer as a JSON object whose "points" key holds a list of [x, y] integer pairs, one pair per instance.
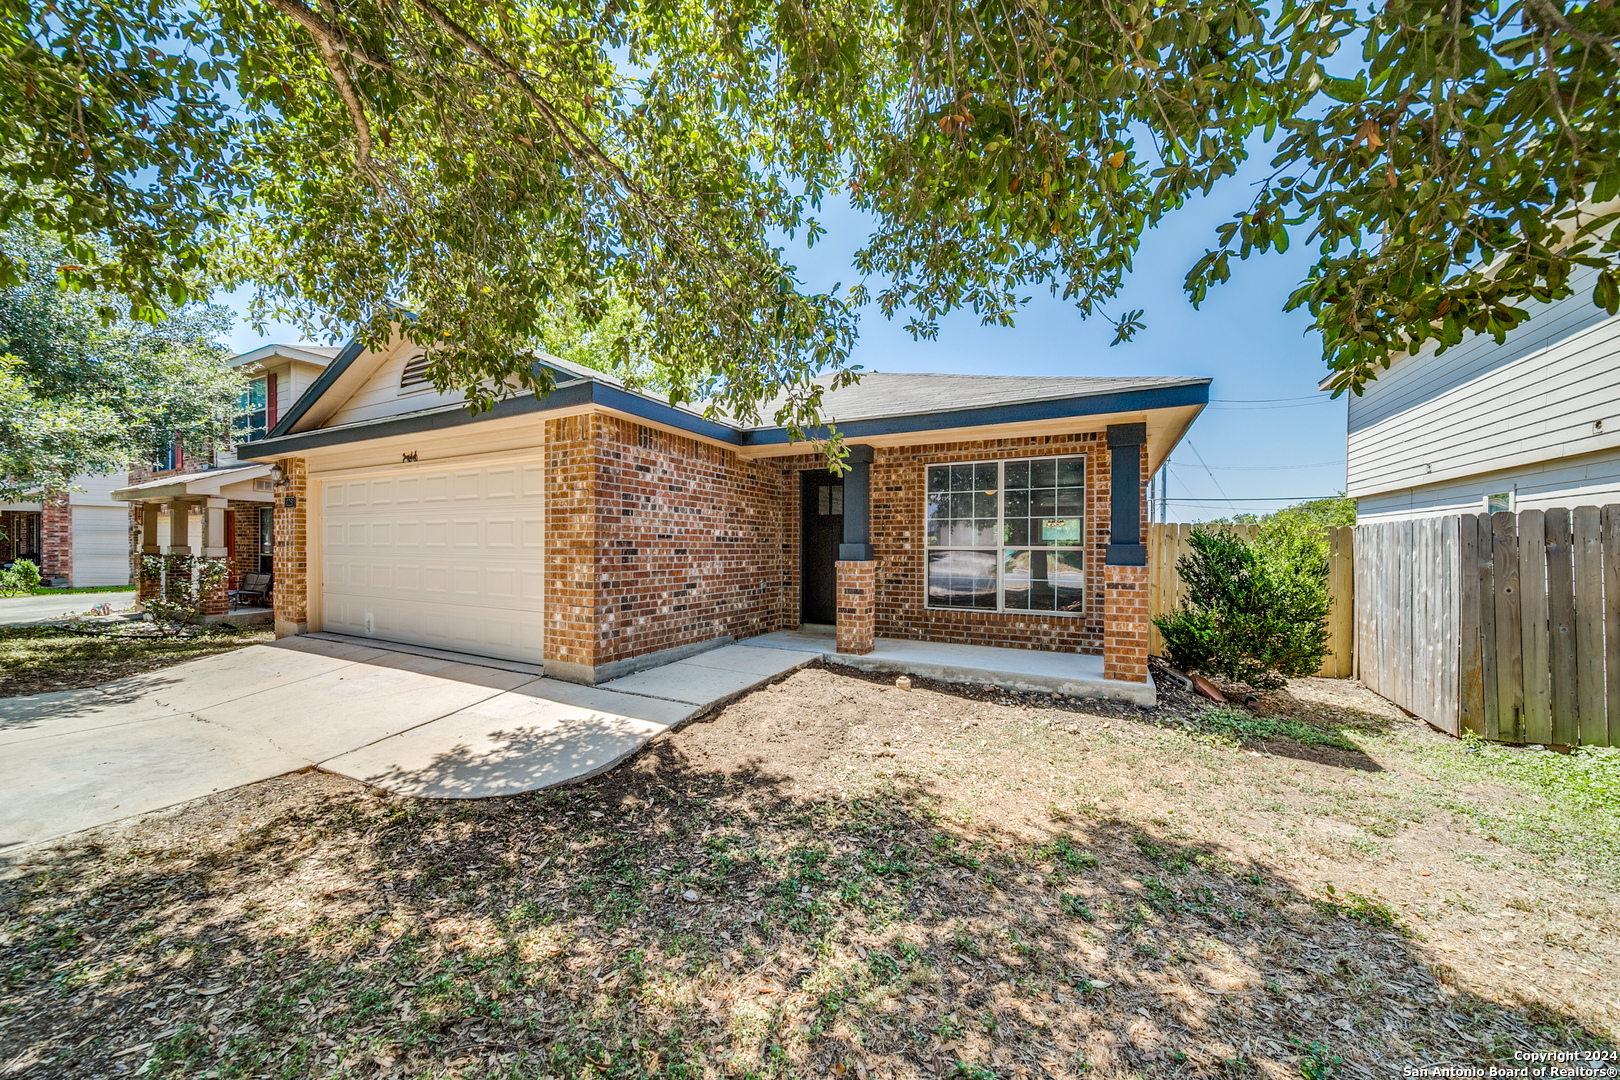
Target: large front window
{"points": [[1008, 535], [252, 412]]}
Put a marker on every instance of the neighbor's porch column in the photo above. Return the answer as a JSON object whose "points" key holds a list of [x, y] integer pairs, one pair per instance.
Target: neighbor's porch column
{"points": [[177, 562], [215, 548], [1125, 584], [149, 577], [856, 581], [290, 555]]}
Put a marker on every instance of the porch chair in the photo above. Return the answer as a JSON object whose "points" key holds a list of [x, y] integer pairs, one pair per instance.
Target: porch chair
{"points": [[254, 587]]}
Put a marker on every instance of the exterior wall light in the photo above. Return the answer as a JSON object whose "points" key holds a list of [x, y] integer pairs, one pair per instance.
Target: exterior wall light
{"points": [[278, 475]]}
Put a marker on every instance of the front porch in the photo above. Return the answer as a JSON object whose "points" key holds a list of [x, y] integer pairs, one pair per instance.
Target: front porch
{"points": [[1032, 670]]}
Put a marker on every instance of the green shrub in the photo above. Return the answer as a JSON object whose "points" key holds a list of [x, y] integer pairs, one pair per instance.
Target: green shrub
{"points": [[1255, 612], [23, 577], [179, 602]]}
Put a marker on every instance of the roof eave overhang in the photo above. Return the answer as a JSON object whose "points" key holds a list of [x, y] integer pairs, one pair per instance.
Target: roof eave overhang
{"points": [[584, 393], [206, 484]]}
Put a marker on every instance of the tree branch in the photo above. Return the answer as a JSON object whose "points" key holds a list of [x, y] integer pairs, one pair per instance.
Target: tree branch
{"points": [[323, 30]]}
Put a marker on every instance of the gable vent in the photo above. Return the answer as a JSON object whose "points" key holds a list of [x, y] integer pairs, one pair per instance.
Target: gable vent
{"points": [[415, 373]]}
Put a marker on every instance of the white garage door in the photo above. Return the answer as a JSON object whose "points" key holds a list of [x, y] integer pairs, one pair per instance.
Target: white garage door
{"points": [[100, 545], [451, 559]]}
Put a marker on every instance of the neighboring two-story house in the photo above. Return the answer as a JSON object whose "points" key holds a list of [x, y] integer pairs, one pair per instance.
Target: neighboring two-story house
{"points": [[170, 506], [1530, 424]]}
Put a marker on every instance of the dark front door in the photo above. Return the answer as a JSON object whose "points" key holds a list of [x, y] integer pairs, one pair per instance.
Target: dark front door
{"points": [[821, 530]]}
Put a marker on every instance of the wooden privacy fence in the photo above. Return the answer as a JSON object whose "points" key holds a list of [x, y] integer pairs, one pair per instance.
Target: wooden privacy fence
{"points": [[1167, 543], [1501, 624]]}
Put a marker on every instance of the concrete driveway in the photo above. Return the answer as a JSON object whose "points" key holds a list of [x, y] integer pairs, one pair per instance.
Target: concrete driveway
{"points": [[412, 722], [29, 610]]}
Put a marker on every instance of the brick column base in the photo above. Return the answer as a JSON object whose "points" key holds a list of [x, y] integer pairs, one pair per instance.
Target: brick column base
{"points": [[216, 601], [148, 583], [1125, 623], [857, 594], [176, 569]]}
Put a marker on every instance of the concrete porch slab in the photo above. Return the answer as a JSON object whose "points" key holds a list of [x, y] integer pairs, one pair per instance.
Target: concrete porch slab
{"points": [[713, 677], [1076, 674], [254, 616]]}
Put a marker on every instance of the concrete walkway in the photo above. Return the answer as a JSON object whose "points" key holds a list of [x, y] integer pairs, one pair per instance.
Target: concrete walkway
{"points": [[1075, 674], [412, 721], [31, 610]]}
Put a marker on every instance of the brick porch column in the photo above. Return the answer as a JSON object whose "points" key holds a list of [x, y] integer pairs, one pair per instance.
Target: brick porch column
{"points": [[290, 555], [857, 591], [1125, 608], [56, 538], [1125, 623], [148, 585], [216, 600], [177, 563]]}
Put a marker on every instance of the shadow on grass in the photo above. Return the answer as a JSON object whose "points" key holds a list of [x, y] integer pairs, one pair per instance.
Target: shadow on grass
{"points": [[662, 920]]}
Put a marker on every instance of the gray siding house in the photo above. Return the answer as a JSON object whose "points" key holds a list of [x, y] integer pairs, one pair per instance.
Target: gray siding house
{"points": [[1530, 424]]}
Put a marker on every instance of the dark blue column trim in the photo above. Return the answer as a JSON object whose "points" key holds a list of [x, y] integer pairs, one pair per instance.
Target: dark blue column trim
{"points": [[857, 545], [1125, 446]]}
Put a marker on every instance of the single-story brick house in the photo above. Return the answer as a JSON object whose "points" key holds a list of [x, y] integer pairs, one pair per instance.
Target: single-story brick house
{"points": [[600, 531]]}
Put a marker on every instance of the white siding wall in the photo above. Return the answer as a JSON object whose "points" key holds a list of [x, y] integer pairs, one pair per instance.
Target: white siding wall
{"points": [[1483, 409], [380, 395], [1587, 480]]}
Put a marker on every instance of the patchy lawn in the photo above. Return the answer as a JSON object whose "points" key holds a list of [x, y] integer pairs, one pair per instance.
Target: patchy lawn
{"points": [[39, 659], [835, 877]]}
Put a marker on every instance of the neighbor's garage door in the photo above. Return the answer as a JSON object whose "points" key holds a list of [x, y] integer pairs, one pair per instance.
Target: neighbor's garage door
{"points": [[451, 559]]}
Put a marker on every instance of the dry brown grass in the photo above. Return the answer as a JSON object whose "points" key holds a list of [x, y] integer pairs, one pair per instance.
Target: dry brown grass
{"points": [[883, 883]]}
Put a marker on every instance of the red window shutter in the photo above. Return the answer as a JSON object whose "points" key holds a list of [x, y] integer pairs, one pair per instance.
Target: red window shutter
{"points": [[230, 536], [270, 399], [179, 455]]}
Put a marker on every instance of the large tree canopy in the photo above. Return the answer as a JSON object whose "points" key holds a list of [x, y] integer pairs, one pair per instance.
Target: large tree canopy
{"points": [[81, 393], [486, 163]]}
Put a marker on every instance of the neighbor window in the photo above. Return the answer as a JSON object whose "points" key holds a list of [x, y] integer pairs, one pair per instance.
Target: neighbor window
{"points": [[1007, 535], [252, 412]]}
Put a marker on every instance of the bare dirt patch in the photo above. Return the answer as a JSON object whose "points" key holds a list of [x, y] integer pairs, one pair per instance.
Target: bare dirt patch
{"points": [[835, 877]]}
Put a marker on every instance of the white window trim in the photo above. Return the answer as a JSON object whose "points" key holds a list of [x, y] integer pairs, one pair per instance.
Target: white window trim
{"points": [[1001, 547]]}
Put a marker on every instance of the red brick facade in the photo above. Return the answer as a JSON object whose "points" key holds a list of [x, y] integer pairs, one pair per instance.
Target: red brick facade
{"points": [[291, 551], [857, 583], [56, 538], [899, 490], [655, 541], [245, 536]]}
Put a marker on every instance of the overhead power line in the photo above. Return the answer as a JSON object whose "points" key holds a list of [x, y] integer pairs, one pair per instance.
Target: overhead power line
{"points": [[1262, 498], [1272, 468], [1212, 479]]}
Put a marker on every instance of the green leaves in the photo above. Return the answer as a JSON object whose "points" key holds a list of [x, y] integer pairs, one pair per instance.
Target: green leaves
{"points": [[487, 166], [81, 395]]}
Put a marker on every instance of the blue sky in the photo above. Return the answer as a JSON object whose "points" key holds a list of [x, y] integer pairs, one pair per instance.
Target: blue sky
{"points": [[1269, 436]]}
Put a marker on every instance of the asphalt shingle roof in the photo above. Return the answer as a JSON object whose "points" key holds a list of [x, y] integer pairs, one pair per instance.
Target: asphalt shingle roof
{"points": [[880, 395]]}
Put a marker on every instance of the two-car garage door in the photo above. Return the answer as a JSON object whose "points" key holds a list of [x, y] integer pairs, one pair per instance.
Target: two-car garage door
{"points": [[449, 558]]}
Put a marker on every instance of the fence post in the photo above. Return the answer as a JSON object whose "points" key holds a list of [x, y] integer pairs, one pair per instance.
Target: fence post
{"points": [[1587, 522], [1509, 640]]}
